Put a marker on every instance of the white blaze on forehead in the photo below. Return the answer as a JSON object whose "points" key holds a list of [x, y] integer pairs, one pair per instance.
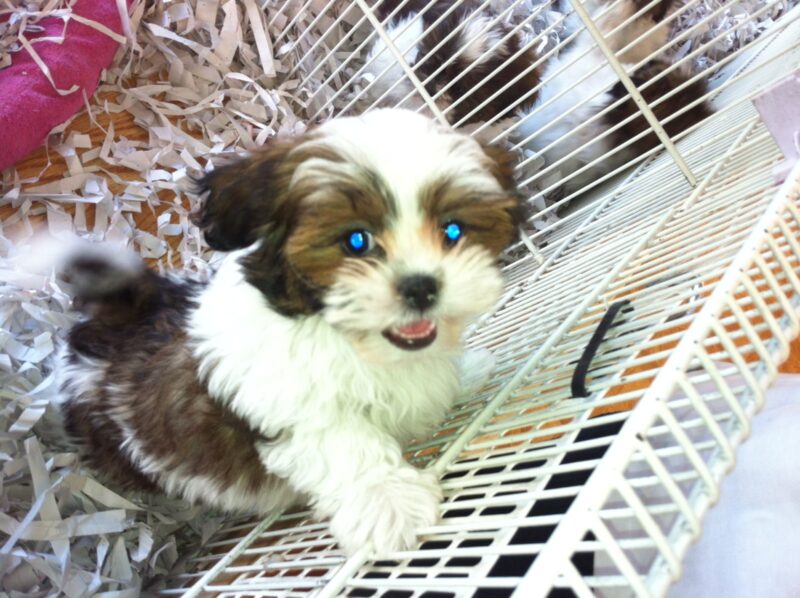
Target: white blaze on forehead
{"points": [[323, 169], [409, 152]]}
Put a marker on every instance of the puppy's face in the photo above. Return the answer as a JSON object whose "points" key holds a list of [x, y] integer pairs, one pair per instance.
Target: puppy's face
{"points": [[387, 225]]}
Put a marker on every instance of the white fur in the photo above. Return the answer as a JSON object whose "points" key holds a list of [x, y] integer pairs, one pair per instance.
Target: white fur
{"points": [[475, 369], [365, 302], [409, 151], [383, 70], [477, 41], [341, 419], [575, 91], [84, 378], [78, 380], [176, 481]]}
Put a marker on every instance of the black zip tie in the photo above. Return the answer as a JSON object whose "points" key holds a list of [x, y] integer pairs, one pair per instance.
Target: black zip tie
{"points": [[579, 375]]}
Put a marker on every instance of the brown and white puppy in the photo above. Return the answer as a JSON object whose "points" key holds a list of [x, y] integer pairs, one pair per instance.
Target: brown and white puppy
{"points": [[323, 342], [471, 62], [569, 108], [584, 122]]}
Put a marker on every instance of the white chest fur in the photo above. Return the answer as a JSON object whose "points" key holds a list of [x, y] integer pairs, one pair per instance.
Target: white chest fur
{"points": [[286, 373]]}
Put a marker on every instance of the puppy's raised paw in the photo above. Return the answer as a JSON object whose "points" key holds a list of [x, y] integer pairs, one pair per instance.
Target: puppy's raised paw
{"points": [[387, 511]]}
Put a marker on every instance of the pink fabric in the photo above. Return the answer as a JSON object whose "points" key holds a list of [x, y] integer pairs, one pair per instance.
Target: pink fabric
{"points": [[29, 106]]}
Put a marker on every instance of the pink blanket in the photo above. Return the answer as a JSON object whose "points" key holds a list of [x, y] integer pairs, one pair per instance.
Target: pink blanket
{"points": [[29, 106]]}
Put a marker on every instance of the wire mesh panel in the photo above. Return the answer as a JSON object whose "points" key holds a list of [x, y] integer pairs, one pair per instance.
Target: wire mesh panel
{"points": [[534, 76], [546, 489]]}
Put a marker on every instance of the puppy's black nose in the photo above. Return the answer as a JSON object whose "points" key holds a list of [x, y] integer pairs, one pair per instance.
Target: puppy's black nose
{"points": [[419, 291]]}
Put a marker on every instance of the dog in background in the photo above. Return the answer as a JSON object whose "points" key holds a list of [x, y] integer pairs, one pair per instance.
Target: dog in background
{"points": [[570, 108], [325, 340]]}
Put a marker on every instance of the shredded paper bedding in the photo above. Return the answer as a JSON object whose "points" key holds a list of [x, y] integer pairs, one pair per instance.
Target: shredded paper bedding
{"points": [[200, 78]]}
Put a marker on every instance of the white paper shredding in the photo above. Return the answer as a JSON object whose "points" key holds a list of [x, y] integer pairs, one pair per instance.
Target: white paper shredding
{"points": [[199, 78]]}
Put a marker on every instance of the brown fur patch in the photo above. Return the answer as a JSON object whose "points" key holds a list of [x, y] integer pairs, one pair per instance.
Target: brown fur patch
{"points": [[501, 164], [244, 198], [89, 423], [149, 386], [658, 11], [314, 248], [662, 111], [489, 219], [255, 199]]}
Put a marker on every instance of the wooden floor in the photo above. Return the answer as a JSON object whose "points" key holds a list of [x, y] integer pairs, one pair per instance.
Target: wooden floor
{"points": [[36, 165]]}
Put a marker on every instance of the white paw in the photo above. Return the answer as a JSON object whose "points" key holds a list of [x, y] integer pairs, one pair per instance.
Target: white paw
{"points": [[387, 511]]}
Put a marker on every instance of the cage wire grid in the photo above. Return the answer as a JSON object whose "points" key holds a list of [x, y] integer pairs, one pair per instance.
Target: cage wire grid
{"points": [[544, 492]]}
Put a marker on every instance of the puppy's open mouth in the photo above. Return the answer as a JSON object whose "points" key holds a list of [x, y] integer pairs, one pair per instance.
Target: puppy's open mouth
{"points": [[416, 335]]}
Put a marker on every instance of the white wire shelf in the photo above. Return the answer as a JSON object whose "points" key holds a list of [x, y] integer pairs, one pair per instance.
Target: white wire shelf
{"points": [[549, 495]]}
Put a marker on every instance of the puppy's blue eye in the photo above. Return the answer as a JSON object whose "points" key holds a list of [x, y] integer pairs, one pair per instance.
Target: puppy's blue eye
{"points": [[452, 232], [358, 242]]}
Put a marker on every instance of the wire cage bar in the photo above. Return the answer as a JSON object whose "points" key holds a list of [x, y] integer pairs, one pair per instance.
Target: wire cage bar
{"points": [[545, 491]]}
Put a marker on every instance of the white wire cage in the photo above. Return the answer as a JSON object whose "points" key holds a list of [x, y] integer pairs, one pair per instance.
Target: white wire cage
{"points": [[547, 494]]}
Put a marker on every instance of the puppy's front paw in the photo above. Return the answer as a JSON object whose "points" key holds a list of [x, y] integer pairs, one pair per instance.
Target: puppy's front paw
{"points": [[387, 511]]}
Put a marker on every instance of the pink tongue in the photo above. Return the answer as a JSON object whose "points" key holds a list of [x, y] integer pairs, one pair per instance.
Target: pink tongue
{"points": [[418, 328]]}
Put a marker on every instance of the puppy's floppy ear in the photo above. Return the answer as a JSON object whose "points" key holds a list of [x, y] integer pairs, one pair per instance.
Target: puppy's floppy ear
{"points": [[244, 198], [501, 163]]}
